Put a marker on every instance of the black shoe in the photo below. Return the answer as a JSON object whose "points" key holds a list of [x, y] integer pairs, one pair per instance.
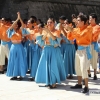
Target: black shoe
{"points": [[47, 85], [31, 79], [89, 75], [1, 72], [77, 86], [20, 78], [85, 90], [95, 77], [51, 87], [13, 78], [70, 77]]}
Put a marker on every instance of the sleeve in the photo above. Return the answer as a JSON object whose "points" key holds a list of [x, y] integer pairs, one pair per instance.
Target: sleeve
{"points": [[0, 32], [70, 36], [10, 33], [64, 38], [24, 31], [96, 33], [40, 41]]}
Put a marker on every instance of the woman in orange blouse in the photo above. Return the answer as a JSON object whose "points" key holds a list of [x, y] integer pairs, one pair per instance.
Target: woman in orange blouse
{"points": [[68, 51], [17, 65], [50, 68]]}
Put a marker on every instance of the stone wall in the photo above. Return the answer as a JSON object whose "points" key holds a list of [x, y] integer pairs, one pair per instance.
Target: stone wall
{"points": [[44, 8]]}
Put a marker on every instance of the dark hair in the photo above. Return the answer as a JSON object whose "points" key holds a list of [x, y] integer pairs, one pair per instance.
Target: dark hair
{"points": [[41, 25], [31, 21], [73, 16], [67, 21], [8, 19], [19, 24], [87, 17], [51, 18], [62, 17], [39, 20], [25, 21], [34, 18], [93, 16], [83, 18]]}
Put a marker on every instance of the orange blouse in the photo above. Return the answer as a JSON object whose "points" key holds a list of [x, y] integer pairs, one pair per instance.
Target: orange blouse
{"points": [[83, 37], [95, 33], [72, 35], [3, 34], [17, 36]]}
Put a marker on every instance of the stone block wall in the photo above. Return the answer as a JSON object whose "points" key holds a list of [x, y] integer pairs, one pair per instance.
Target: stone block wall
{"points": [[44, 8]]}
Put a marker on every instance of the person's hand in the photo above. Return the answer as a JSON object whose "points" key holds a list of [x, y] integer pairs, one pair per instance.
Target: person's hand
{"points": [[18, 13], [46, 30], [69, 28]]}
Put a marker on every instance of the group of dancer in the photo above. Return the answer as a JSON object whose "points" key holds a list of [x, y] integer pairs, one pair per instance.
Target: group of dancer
{"points": [[51, 52]]}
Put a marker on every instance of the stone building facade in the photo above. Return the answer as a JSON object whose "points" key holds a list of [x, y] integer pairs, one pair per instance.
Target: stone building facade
{"points": [[44, 8]]}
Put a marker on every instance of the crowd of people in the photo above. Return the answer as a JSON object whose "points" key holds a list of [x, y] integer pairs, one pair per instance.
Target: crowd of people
{"points": [[51, 52]]}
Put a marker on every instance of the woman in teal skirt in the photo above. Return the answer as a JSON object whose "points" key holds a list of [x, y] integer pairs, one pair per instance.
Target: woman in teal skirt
{"points": [[68, 52], [36, 51], [28, 51], [17, 64], [50, 69]]}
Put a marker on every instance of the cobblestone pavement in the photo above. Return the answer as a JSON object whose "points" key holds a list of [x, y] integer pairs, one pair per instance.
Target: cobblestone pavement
{"points": [[26, 90]]}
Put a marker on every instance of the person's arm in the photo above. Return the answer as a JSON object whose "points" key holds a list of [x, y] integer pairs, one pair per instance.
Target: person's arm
{"points": [[22, 23], [51, 35], [62, 30], [12, 26], [44, 33], [44, 36]]}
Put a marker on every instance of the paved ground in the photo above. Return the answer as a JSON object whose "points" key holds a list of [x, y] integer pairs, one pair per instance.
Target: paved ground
{"points": [[25, 90]]}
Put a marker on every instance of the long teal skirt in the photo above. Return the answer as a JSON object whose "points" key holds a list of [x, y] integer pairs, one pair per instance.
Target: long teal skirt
{"points": [[68, 53], [48, 70], [17, 64], [35, 60], [28, 52]]}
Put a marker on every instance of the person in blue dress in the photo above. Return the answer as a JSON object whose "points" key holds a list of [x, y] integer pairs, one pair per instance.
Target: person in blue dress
{"points": [[26, 43], [67, 50], [36, 49], [50, 68], [17, 64]]}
